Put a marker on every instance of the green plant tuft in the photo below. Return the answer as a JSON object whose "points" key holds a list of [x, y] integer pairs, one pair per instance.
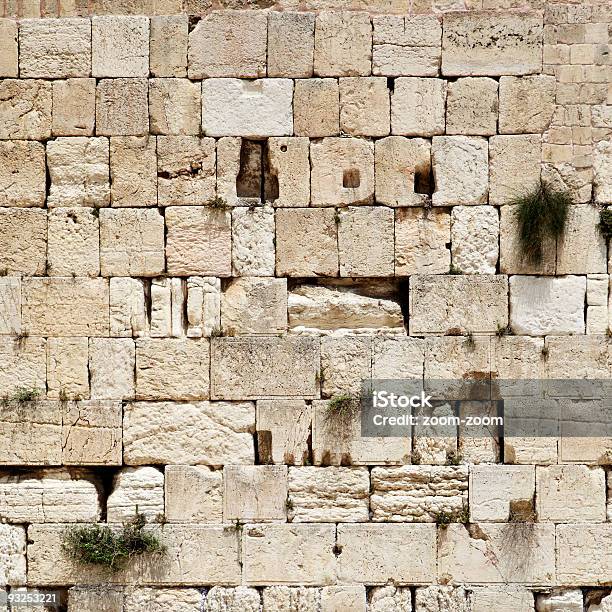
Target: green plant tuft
{"points": [[454, 458], [341, 405], [217, 202], [25, 394], [444, 518], [454, 269], [503, 330], [605, 223]]}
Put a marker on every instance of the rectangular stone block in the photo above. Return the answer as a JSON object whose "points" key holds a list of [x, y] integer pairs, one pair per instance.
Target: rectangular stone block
{"points": [[316, 111], [475, 239], [25, 109], [418, 106], [133, 171], [13, 560], [67, 368], [74, 107], [472, 106], [193, 494], [289, 163], [22, 173], [290, 44], [507, 598], [345, 362], [526, 104], [10, 306], [581, 559], [253, 248], [111, 368], [122, 107], [127, 308], [23, 241], [364, 106], [174, 106], [9, 47], [23, 365], [168, 45]]}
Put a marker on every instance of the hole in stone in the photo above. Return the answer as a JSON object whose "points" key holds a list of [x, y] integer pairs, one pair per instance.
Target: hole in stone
{"points": [[424, 179], [270, 180], [390, 83], [350, 179], [248, 181], [284, 148]]}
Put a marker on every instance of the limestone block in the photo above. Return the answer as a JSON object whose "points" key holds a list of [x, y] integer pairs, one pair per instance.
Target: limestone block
{"points": [[120, 46], [203, 306], [254, 306], [229, 44], [254, 368], [526, 104], [133, 171], [291, 599], [421, 241], [366, 241], [95, 599], [198, 241], [25, 109], [194, 493], [494, 488], [9, 47], [597, 289], [560, 600], [343, 44], [111, 368], [472, 106], [168, 600], [397, 60], [342, 172], [74, 107], [172, 369], [597, 320], [452, 358], [290, 165], [306, 242], [167, 307], [371, 554], [23, 241], [127, 307], [329, 495], [283, 429], [475, 239], [418, 106], [168, 45], [12, 554], [209, 433], [443, 599], [476, 304], [240, 170], [514, 166], [497, 553], [316, 110], [397, 358], [22, 173], [417, 493], [174, 106], [234, 107], [10, 306], [49, 496], [139, 490], [224, 599], [602, 165], [253, 249], [67, 368], [122, 107], [54, 49], [345, 362], [290, 44], [490, 44], [540, 306], [65, 306], [390, 599], [74, 242], [401, 166], [364, 106], [131, 242], [338, 598], [303, 554], [581, 559], [461, 172], [502, 598]]}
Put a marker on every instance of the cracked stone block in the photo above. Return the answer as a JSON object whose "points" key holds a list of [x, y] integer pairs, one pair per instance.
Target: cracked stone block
{"points": [[580, 558], [185, 170], [65, 306], [74, 242], [514, 165], [526, 104], [316, 108], [289, 160], [472, 106], [120, 46], [229, 44], [67, 371], [203, 306], [343, 44], [174, 369], [418, 106], [133, 171], [330, 494], [303, 554], [265, 367], [497, 553], [198, 241], [364, 106], [206, 433], [194, 493], [390, 599], [422, 240], [54, 49], [540, 306], [49, 496], [463, 304], [366, 241], [74, 107], [283, 429], [174, 106], [502, 598], [306, 242], [443, 599], [122, 107], [12, 554], [23, 241], [345, 362], [461, 170], [127, 307], [25, 109], [139, 489], [475, 239], [417, 493], [8, 48], [491, 44], [111, 368], [22, 173], [560, 600], [342, 172], [168, 45], [259, 108], [170, 600], [79, 171], [131, 242], [371, 554], [227, 599], [253, 248], [602, 165], [10, 306], [493, 488], [290, 44]]}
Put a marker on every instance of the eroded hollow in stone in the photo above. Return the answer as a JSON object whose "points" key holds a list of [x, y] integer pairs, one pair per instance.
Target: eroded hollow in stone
{"points": [[351, 179], [255, 178], [424, 179]]}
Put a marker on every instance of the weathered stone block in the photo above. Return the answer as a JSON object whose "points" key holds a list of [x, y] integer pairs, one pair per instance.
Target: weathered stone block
{"points": [[174, 106], [95, 598], [397, 358], [111, 368], [127, 307], [290, 44], [23, 241], [133, 171], [526, 104], [289, 162], [418, 106], [9, 48], [364, 106], [122, 107], [168, 45], [22, 173], [253, 248], [203, 306], [67, 371], [171, 600], [443, 599], [10, 306], [194, 493], [25, 109], [167, 308], [13, 555], [502, 598], [602, 165], [560, 599], [475, 239], [139, 490], [240, 172], [581, 560], [74, 107], [316, 110], [472, 106], [345, 362], [338, 598]]}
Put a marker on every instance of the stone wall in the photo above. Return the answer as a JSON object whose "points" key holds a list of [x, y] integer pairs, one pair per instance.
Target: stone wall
{"points": [[212, 227]]}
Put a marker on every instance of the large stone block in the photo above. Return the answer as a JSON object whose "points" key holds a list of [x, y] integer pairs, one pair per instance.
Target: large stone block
{"points": [[226, 599], [168, 45], [25, 109], [397, 358], [501, 598], [560, 599], [443, 599], [9, 48], [10, 306], [96, 598], [345, 362], [581, 559], [390, 599], [526, 104], [289, 163], [174, 106], [290, 44], [418, 106], [111, 368], [23, 241], [67, 368], [602, 165], [169, 600], [128, 315], [364, 106], [74, 107], [133, 171], [167, 308], [135, 490], [472, 106], [22, 173], [316, 111], [13, 555], [193, 493], [475, 239], [203, 306], [122, 107]]}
